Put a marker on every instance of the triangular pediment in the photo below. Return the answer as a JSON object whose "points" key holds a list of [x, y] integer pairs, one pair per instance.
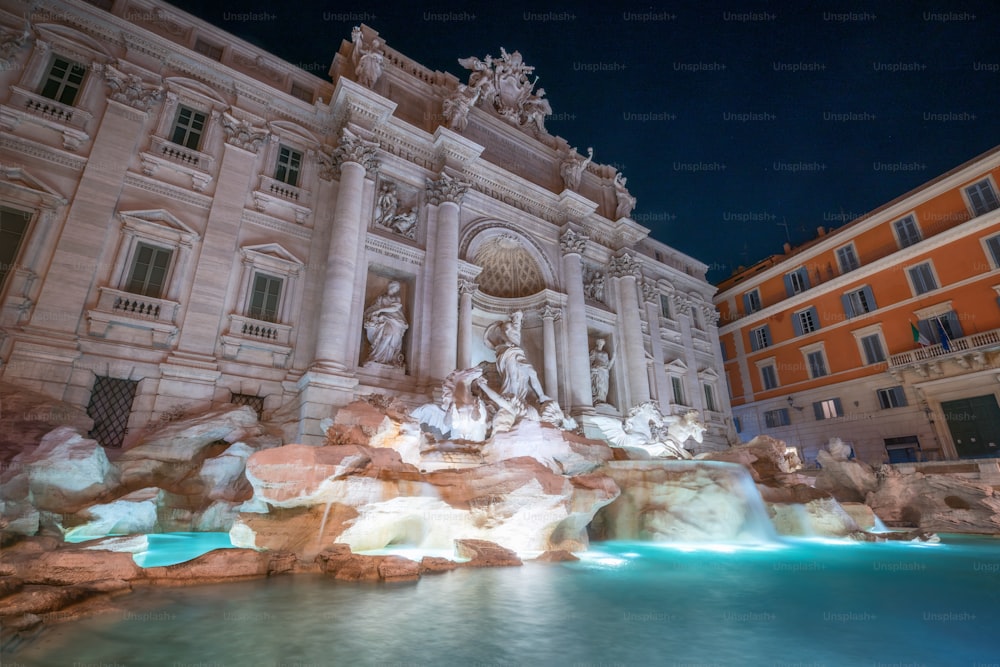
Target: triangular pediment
{"points": [[708, 374], [677, 366], [158, 218], [274, 251], [22, 179]]}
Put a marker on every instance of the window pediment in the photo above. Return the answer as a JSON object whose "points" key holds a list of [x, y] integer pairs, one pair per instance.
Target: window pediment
{"points": [[23, 182], [72, 42], [159, 223]]}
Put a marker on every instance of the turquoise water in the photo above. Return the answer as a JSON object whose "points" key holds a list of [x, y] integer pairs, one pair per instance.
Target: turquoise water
{"points": [[797, 603], [172, 548]]}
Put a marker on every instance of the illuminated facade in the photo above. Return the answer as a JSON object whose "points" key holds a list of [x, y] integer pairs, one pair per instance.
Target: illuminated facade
{"points": [[884, 333], [188, 221]]}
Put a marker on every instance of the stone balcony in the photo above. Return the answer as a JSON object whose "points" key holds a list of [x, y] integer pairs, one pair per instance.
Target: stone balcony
{"points": [[164, 154], [272, 193], [25, 106], [968, 352], [148, 317], [257, 341]]}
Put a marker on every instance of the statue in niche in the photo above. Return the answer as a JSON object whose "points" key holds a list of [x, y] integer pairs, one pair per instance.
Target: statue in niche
{"points": [[385, 204], [594, 287], [626, 202], [368, 60], [385, 325], [600, 371], [405, 224], [573, 166], [517, 375]]}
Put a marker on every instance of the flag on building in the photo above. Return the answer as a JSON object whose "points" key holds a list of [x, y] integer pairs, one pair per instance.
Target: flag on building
{"points": [[917, 336], [943, 335]]}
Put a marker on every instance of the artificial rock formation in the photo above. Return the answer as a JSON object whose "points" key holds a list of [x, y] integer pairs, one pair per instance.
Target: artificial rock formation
{"points": [[311, 497]]}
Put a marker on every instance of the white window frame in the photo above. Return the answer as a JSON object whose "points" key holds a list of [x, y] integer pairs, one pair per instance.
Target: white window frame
{"points": [[993, 259], [859, 293], [795, 279], [785, 417], [829, 407], [804, 320], [155, 228], [988, 179], [909, 278], [768, 363], [865, 332], [811, 349], [677, 381], [750, 296], [888, 392], [916, 226], [274, 261], [854, 254], [753, 336]]}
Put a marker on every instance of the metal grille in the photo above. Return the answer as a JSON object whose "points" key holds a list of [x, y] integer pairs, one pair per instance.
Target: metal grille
{"points": [[255, 402], [110, 407]]}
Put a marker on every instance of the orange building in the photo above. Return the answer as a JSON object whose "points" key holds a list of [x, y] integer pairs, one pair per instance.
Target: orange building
{"points": [[884, 333]]}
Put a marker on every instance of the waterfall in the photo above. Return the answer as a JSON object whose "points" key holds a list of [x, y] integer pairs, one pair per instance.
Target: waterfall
{"points": [[684, 501]]}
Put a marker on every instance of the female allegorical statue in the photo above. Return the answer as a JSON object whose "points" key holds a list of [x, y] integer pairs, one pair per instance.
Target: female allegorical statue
{"points": [[385, 325]]}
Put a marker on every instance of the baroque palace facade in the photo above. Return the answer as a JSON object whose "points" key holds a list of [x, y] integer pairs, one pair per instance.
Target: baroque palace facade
{"points": [[884, 333], [188, 221]]}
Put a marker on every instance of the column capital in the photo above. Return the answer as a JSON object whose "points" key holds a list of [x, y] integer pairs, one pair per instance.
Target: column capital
{"points": [[446, 189], [650, 292], [572, 242], [350, 148], [550, 312], [682, 304], [625, 266], [242, 133], [130, 89], [467, 286]]}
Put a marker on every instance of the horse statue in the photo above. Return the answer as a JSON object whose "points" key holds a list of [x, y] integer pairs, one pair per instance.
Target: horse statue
{"points": [[647, 429]]}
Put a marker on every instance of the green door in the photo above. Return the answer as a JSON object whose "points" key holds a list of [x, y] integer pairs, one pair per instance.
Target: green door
{"points": [[975, 425]]}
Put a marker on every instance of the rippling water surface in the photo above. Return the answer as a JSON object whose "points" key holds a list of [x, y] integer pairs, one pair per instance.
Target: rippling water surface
{"points": [[798, 603]]}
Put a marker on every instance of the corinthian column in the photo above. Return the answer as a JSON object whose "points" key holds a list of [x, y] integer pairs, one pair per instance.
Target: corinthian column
{"points": [[624, 269], [651, 296], [353, 158], [549, 315], [446, 193], [572, 245]]}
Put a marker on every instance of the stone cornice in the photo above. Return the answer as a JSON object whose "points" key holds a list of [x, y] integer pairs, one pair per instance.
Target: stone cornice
{"points": [[42, 151]]}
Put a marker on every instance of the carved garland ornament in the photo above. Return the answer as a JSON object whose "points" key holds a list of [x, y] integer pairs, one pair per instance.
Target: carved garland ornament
{"points": [[130, 89]]}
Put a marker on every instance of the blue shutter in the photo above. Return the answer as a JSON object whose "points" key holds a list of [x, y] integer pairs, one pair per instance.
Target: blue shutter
{"points": [[797, 324], [753, 341], [804, 272], [788, 285], [869, 297], [818, 410], [746, 304], [838, 406], [767, 335], [848, 307]]}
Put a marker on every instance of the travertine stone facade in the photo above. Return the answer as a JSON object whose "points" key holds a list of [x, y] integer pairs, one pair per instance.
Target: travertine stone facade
{"points": [[189, 213]]}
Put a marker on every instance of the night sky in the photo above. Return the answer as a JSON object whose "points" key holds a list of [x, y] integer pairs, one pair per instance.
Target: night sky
{"points": [[738, 126]]}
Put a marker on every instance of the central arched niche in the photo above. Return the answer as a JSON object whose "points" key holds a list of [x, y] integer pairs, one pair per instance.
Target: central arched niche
{"points": [[512, 265]]}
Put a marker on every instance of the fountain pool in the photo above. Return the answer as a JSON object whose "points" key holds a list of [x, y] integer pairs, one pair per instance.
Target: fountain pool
{"points": [[625, 603]]}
